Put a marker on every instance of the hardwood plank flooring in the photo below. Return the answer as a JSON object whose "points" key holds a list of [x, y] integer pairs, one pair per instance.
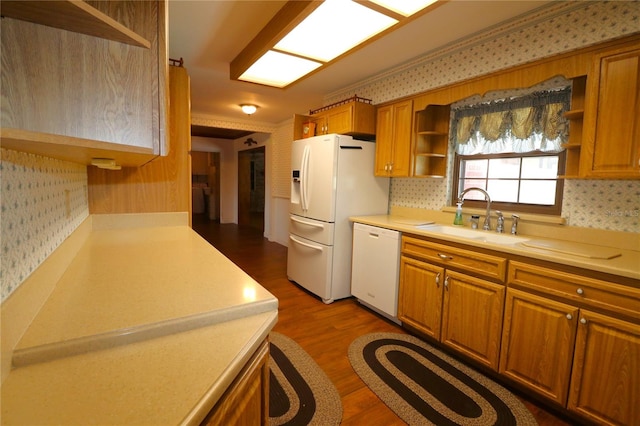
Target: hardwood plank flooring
{"points": [[324, 331]]}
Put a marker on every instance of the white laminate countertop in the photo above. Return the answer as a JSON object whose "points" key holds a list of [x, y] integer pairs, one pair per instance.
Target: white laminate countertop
{"points": [[627, 264], [146, 326]]}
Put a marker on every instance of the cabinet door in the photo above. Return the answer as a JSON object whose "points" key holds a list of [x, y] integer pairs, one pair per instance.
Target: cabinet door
{"points": [[472, 317], [339, 119], [420, 298], [393, 139], [605, 382], [612, 144], [537, 343], [384, 140], [246, 401], [401, 147]]}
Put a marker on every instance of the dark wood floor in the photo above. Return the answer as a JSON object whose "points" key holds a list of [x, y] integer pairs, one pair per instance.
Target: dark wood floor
{"points": [[324, 331]]}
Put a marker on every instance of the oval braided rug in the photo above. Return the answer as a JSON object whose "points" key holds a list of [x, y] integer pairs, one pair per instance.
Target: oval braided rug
{"points": [[300, 393], [424, 386]]}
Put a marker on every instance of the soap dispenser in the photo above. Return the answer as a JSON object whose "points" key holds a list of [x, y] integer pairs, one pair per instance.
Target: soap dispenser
{"points": [[458, 218]]}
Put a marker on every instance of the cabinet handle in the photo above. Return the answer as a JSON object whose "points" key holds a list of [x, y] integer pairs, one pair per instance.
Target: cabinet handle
{"points": [[569, 316], [583, 320], [446, 283], [444, 256], [580, 291], [438, 279]]}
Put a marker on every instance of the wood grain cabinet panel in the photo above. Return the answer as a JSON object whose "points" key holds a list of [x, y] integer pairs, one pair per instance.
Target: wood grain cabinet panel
{"points": [[468, 261], [537, 343], [393, 139], [246, 402], [576, 289], [472, 317], [611, 127], [420, 298], [605, 382], [461, 311], [91, 96], [353, 118]]}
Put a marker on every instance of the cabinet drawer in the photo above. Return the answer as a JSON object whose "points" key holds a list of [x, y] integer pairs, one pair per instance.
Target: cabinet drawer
{"points": [[467, 260], [576, 289]]}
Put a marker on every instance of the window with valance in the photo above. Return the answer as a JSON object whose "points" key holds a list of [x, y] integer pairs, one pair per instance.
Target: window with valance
{"points": [[510, 144], [529, 123]]}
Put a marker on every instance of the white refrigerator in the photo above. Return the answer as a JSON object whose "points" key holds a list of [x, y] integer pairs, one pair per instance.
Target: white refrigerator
{"points": [[332, 178]]}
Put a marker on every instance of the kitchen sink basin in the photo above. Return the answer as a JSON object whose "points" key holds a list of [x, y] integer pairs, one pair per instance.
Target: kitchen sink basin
{"points": [[473, 234], [501, 238]]}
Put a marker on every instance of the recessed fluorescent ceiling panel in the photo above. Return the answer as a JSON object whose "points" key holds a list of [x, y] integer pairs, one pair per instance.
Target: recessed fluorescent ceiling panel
{"points": [[333, 28], [278, 69], [404, 7]]}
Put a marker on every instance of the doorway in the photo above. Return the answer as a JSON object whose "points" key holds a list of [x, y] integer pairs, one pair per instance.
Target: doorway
{"points": [[205, 184], [251, 187]]}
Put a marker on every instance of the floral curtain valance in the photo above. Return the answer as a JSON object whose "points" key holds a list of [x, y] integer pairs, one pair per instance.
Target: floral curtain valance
{"points": [[524, 124]]}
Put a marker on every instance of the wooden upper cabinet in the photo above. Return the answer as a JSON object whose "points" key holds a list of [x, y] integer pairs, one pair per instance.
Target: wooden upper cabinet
{"points": [[354, 118], [611, 145], [432, 141], [393, 139], [101, 82]]}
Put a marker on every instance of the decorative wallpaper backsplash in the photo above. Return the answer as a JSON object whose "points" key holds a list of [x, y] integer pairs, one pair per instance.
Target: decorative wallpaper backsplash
{"points": [[561, 27], [43, 201]]}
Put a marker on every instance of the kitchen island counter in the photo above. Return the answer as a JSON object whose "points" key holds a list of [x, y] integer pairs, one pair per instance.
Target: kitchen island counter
{"points": [[146, 325]]}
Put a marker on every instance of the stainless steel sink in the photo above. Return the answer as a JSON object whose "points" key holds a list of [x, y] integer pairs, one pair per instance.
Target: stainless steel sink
{"points": [[474, 235]]}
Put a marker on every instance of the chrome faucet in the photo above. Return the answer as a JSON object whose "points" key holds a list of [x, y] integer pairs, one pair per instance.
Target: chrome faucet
{"points": [[514, 224], [487, 219], [500, 226]]}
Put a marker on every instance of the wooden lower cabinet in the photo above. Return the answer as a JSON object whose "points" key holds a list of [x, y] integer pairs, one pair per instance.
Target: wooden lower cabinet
{"points": [[420, 298], [569, 337], [246, 402], [605, 380], [472, 317], [461, 311], [537, 343]]}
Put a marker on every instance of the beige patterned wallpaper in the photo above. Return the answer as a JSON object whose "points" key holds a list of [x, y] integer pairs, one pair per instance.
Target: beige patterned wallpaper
{"points": [[564, 26], [43, 201]]}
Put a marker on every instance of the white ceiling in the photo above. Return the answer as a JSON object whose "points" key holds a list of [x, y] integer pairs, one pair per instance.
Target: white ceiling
{"points": [[208, 34]]}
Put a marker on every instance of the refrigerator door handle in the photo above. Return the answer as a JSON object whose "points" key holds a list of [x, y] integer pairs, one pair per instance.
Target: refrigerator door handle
{"points": [[315, 225], [304, 187], [311, 246]]}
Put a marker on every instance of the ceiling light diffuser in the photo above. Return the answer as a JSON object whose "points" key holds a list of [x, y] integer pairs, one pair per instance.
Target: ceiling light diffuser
{"points": [[305, 35], [248, 109], [404, 7], [278, 69], [333, 28]]}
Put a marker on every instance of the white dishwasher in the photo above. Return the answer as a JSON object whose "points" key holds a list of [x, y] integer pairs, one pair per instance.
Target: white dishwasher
{"points": [[375, 267]]}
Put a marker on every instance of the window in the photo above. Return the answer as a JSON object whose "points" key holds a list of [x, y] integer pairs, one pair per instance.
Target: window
{"points": [[512, 148], [515, 182]]}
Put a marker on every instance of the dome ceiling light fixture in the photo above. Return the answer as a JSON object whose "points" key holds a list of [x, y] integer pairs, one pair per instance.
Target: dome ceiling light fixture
{"points": [[289, 46], [248, 108]]}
